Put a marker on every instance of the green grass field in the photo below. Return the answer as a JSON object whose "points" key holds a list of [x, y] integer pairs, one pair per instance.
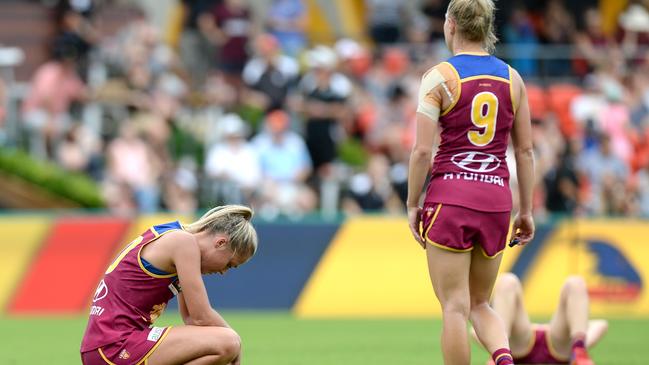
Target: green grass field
{"points": [[278, 338]]}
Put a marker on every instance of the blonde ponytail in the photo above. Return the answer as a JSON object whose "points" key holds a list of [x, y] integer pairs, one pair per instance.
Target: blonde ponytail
{"points": [[232, 220], [475, 20]]}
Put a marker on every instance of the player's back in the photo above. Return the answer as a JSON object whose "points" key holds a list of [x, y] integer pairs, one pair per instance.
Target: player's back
{"points": [[132, 294], [470, 168]]}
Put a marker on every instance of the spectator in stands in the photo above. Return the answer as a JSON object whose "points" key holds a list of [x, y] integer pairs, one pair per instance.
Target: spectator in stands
{"points": [[269, 75], [79, 151], [593, 45], [558, 29], [133, 165], [198, 40], [76, 31], [180, 188], [46, 109], [520, 35], [389, 132], [633, 31], [606, 176], [385, 20], [562, 182], [285, 166], [232, 166], [234, 23], [287, 21], [324, 105], [371, 190], [435, 12], [391, 68]]}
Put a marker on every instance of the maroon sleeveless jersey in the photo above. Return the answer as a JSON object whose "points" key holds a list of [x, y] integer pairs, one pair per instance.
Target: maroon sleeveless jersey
{"points": [[132, 294], [470, 169]]}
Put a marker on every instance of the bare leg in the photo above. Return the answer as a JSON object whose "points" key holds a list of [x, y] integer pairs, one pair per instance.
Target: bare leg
{"points": [[507, 301], [197, 345], [449, 274], [205, 360], [571, 316], [488, 325], [597, 328]]}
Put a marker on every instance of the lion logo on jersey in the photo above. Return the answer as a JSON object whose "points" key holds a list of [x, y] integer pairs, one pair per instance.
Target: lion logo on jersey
{"points": [[157, 311], [476, 161], [101, 292]]}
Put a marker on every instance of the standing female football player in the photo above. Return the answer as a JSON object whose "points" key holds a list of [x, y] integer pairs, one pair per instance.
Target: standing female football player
{"points": [[477, 100], [168, 260]]}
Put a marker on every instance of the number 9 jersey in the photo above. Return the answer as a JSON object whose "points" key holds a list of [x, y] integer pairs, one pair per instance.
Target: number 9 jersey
{"points": [[470, 169]]}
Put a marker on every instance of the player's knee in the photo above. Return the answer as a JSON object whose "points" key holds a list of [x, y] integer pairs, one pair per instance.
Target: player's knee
{"points": [[508, 282], [228, 343], [479, 304], [575, 284], [457, 306]]}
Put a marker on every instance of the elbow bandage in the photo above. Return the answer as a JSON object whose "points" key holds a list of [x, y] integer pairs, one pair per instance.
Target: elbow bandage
{"points": [[429, 82]]}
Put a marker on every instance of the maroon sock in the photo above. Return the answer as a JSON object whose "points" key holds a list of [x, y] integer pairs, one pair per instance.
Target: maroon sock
{"points": [[503, 357], [579, 341]]}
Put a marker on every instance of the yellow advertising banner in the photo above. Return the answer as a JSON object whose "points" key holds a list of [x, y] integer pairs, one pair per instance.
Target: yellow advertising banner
{"points": [[373, 268], [611, 255]]}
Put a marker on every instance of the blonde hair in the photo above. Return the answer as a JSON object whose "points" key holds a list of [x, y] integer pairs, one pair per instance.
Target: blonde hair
{"points": [[475, 20], [233, 220]]}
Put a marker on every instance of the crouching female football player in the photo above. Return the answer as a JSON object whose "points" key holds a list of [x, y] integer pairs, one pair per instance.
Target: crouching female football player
{"points": [[564, 340], [165, 261]]}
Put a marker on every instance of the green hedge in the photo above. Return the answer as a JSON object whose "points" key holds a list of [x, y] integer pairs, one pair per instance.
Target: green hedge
{"points": [[52, 178]]}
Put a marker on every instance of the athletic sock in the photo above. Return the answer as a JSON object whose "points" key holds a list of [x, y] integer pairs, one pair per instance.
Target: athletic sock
{"points": [[503, 357], [579, 341]]}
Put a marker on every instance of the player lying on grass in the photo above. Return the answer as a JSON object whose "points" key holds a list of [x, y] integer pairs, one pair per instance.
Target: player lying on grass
{"points": [[150, 271], [564, 340]]}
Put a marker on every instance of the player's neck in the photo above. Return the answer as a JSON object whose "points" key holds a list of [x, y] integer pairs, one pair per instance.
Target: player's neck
{"points": [[468, 48]]}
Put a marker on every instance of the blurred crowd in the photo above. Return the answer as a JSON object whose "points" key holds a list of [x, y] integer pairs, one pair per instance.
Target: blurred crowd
{"points": [[244, 110]]}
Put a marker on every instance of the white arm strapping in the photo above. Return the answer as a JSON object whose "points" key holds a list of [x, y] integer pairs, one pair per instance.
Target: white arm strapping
{"points": [[429, 82]]}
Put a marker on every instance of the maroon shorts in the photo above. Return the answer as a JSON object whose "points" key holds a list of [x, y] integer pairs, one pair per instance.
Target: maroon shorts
{"points": [[134, 349], [540, 351], [460, 229]]}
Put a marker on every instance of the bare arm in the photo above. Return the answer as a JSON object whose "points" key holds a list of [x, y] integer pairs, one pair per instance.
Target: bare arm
{"points": [[524, 154], [194, 304], [428, 109], [418, 169]]}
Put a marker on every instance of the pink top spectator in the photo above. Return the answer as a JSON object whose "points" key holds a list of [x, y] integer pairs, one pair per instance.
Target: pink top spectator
{"points": [[54, 88]]}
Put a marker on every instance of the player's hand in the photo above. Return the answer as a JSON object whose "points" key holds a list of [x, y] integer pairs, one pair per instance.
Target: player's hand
{"points": [[414, 221], [523, 229]]}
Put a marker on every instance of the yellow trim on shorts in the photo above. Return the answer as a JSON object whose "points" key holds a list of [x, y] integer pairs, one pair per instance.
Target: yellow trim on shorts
{"points": [[553, 351], [433, 243], [146, 357], [489, 77], [532, 341], [101, 353], [439, 207], [484, 253], [459, 90]]}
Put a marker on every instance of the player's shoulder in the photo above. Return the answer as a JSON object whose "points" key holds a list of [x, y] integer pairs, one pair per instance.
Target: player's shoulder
{"points": [[178, 238], [443, 69]]}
